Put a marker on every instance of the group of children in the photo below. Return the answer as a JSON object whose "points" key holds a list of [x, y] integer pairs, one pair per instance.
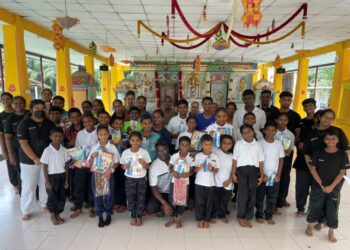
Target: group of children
{"points": [[255, 161]]}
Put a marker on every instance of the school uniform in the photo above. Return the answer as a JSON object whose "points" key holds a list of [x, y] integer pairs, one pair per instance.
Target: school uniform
{"points": [[222, 194], [273, 153], [149, 144], [184, 133], [10, 128], [160, 177], [104, 203], [282, 136], [238, 136], [248, 156], [82, 189], [205, 186], [136, 181], [327, 166], [203, 123], [304, 178], [56, 161], [226, 129], [176, 125], [32, 176], [187, 164], [260, 118]]}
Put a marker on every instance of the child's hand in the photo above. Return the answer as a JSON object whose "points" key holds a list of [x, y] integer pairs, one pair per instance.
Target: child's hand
{"points": [[210, 167], [265, 177], [201, 166], [66, 185], [259, 181], [277, 178], [176, 175], [48, 185], [327, 189], [94, 155], [226, 183], [185, 175], [167, 208], [108, 173], [142, 162], [211, 133], [287, 151], [37, 162], [234, 178]]}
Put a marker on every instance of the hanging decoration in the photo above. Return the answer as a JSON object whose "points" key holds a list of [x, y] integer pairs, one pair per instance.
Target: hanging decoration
{"points": [[111, 60], [58, 38], [105, 48], [204, 13], [67, 22], [167, 26], [252, 15], [92, 48], [233, 36], [220, 43], [197, 63], [232, 21]]}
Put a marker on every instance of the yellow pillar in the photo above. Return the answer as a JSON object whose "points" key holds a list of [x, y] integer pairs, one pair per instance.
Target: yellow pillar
{"points": [[64, 76], [105, 89], [89, 65], [278, 86], [264, 72], [16, 72], [341, 73], [114, 81], [257, 74], [301, 85]]}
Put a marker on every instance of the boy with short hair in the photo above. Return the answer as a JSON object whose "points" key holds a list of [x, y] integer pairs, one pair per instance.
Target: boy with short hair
{"points": [[248, 119], [286, 137], [55, 116], [55, 159], [149, 138], [133, 124], [328, 168], [273, 164], [104, 119]]}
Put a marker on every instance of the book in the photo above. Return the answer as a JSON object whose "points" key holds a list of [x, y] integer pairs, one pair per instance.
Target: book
{"points": [[116, 135], [79, 156], [135, 167], [180, 192], [218, 133], [103, 161], [271, 179], [196, 139], [181, 167]]}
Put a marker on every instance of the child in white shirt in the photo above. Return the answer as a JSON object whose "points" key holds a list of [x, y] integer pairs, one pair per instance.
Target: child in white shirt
{"points": [[220, 127], [206, 166], [135, 161], [180, 165], [191, 123], [177, 124], [249, 119], [287, 139], [103, 202], [223, 179], [248, 158], [273, 164], [55, 159]]}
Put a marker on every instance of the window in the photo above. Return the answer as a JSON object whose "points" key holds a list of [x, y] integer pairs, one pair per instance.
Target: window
{"points": [[49, 71]]}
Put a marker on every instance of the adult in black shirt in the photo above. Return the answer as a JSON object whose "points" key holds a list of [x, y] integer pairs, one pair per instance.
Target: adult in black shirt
{"points": [[303, 176], [33, 135], [270, 110], [294, 118], [12, 144], [6, 99]]}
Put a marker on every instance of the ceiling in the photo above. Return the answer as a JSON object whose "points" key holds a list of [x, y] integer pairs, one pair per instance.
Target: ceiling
{"points": [[328, 22]]}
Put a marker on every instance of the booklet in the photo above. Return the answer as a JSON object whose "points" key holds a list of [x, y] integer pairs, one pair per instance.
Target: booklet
{"points": [[80, 155], [196, 139], [271, 179], [180, 192], [103, 161], [135, 167], [181, 167]]}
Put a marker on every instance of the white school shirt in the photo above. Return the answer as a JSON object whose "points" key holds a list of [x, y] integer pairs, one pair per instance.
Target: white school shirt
{"points": [[225, 169], [160, 176], [110, 148], [260, 118], [273, 152], [132, 158], [55, 159], [248, 153], [176, 125], [238, 136], [204, 178], [189, 163], [214, 127], [286, 134], [185, 133], [84, 138]]}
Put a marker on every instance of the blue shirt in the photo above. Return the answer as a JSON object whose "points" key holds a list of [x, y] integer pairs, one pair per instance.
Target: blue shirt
{"points": [[165, 135], [203, 123]]}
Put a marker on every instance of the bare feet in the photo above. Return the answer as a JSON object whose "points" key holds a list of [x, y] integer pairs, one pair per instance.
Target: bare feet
{"points": [[206, 225], [260, 221], [60, 219], [92, 212], [318, 226], [45, 210], [299, 214], [170, 222], [277, 212], [286, 204], [308, 230], [271, 222], [242, 223], [138, 222], [54, 220], [331, 236], [212, 221], [133, 222], [200, 224], [26, 217], [178, 222], [225, 220], [248, 224], [73, 208], [76, 213], [121, 209]]}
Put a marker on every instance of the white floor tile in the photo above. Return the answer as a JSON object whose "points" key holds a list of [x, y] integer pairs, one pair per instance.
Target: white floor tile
{"points": [[85, 242], [56, 242]]}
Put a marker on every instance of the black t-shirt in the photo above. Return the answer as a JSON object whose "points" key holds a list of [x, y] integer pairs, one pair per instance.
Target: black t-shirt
{"points": [[11, 126], [294, 120], [328, 165], [315, 140], [3, 116], [37, 135], [271, 112], [305, 128]]}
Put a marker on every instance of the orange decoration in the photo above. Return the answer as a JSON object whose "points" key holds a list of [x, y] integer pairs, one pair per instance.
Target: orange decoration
{"points": [[107, 49], [252, 15], [197, 63], [58, 37], [277, 62], [111, 60]]}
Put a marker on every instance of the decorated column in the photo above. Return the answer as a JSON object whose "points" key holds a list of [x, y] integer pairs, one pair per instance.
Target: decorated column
{"points": [[16, 73], [105, 89], [64, 76], [301, 86], [89, 65]]}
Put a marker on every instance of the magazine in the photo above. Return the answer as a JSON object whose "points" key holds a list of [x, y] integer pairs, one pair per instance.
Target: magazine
{"points": [[180, 192], [103, 161], [196, 139], [79, 156]]}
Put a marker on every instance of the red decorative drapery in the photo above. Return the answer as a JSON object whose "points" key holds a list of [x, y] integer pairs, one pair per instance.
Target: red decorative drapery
{"points": [[179, 92], [157, 89]]}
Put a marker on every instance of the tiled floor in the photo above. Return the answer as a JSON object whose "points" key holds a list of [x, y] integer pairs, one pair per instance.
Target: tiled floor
{"points": [[83, 233]]}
